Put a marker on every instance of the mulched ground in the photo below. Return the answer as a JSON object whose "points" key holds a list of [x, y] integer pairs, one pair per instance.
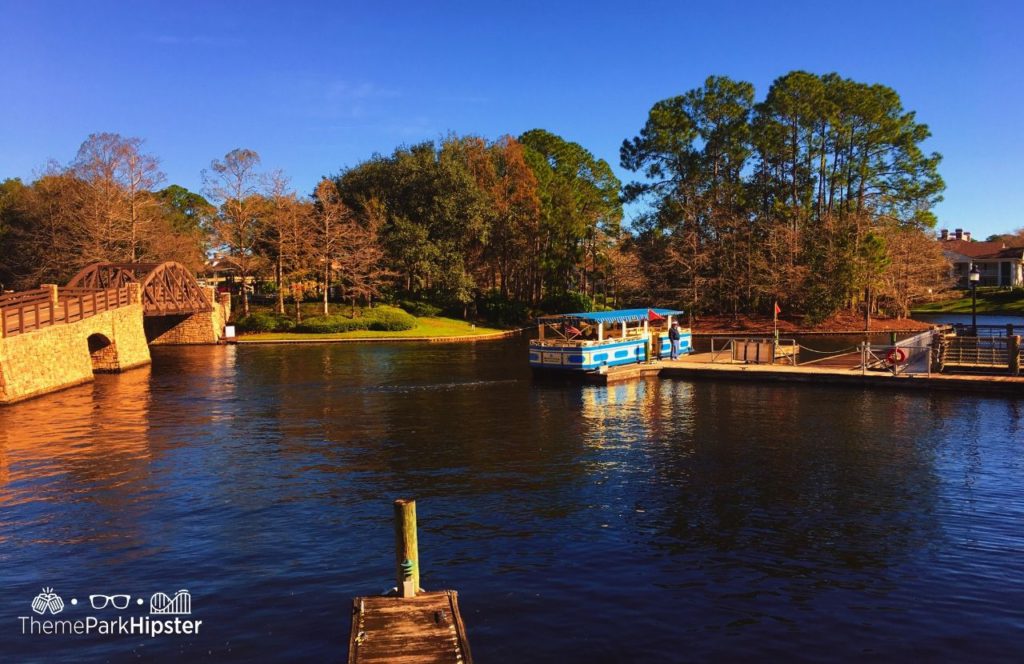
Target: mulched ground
{"points": [[840, 323]]}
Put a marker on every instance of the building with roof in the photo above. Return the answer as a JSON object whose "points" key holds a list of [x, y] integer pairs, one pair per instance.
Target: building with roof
{"points": [[999, 263]]}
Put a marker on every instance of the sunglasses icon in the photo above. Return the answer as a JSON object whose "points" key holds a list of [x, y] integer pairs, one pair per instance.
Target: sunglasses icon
{"points": [[103, 601]]}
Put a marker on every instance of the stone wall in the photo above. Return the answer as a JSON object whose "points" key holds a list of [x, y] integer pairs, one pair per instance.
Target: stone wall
{"points": [[104, 358], [201, 328], [56, 357]]}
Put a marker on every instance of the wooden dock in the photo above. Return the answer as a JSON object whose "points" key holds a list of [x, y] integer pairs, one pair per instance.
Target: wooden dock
{"points": [[840, 370], [410, 626], [424, 629]]}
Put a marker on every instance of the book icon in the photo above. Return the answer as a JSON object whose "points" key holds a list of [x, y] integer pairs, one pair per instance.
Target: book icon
{"points": [[179, 605]]}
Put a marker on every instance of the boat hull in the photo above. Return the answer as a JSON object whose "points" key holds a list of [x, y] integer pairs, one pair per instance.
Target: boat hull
{"points": [[572, 357]]}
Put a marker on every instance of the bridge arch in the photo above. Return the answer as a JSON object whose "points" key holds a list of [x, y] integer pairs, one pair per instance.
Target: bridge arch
{"points": [[168, 288], [103, 353]]}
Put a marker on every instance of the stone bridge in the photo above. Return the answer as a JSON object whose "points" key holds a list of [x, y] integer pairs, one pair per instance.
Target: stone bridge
{"points": [[177, 309], [103, 321]]}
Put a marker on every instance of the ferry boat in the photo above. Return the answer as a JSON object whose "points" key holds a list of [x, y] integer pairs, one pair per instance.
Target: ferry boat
{"points": [[596, 340]]}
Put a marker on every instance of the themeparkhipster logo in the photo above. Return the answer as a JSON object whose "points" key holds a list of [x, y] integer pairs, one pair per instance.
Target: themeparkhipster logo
{"points": [[158, 623]]}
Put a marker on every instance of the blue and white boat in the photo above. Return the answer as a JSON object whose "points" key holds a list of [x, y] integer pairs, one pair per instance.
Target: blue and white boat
{"points": [[595, 340]]}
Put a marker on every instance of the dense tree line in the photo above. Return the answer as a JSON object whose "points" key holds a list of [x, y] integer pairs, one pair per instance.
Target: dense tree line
{"points": [[104, 205], [513, 221], [811, 196], [819, 196]]}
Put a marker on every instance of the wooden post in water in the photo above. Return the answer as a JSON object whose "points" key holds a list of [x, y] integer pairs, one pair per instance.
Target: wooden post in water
{"points": [[407, 555], [1013, 351], [417, 627], [935, 354]]}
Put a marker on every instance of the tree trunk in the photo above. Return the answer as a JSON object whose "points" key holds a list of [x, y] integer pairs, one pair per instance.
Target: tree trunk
{"points": [[327, 284], [245, 295], [279, 269]]}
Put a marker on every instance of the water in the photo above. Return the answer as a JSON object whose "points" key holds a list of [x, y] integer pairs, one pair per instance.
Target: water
{"points": [[653, 521], [965, 319]]}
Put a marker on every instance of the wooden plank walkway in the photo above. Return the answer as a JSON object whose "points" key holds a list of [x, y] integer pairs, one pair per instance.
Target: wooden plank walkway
{"points": [[425, 629]]}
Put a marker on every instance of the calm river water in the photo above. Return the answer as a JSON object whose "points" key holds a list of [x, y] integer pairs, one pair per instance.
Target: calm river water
{"points": [[655, 521]]}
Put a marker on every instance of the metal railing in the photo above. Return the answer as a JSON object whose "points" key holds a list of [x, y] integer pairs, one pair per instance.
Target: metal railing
{"points": [[903, 358]]}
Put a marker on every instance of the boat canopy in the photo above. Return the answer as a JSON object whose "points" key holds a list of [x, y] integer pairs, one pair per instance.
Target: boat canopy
{"points": [[618, 316]]}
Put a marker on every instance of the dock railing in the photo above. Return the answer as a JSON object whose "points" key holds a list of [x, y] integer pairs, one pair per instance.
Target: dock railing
{"points": [[965, 330], [984, 353]]}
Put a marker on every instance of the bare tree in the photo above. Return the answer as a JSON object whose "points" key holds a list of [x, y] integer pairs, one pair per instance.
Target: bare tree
{"points": [[234, 184], [289, 237], [331, 220], [915, 267], [362, 258], [118, 208], [626, 281]]}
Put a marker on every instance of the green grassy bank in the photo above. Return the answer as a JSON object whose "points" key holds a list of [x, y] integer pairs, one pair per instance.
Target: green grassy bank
{"points": [[384, 322], [990, 301]]}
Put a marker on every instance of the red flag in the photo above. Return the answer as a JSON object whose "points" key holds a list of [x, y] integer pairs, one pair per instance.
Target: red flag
{"points": [[778, 310], [654, 315]]}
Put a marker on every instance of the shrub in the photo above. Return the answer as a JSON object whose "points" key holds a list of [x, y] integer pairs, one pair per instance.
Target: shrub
{"points": [[264, 322], [389, 319], [332, 324], [421, 309]]}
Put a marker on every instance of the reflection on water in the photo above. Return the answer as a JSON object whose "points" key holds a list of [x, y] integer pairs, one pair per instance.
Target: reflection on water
{"points": [[663, 520]]}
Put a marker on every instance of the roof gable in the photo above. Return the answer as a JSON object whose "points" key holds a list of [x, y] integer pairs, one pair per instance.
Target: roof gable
{"points": [[981, 249]]}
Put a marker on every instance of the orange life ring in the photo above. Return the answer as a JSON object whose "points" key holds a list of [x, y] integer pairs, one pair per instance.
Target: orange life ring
{"points": [[896, 356]]}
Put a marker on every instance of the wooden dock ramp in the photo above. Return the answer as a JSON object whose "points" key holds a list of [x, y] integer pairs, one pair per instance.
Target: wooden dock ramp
{"points": [[410, 626], [423, 629]]}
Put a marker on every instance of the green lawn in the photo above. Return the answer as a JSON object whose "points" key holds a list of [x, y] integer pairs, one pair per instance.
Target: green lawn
{"points": [[990, 301], [427, 327]]}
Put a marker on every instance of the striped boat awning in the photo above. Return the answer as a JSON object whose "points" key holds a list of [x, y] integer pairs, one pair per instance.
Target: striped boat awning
{"points": [[618, 316]]}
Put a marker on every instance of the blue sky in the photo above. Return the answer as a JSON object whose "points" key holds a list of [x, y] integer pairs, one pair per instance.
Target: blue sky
{"points": [[318, 86]]}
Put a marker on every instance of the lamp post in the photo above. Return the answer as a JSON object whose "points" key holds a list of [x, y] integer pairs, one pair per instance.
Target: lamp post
{"points": [[974, 277]]}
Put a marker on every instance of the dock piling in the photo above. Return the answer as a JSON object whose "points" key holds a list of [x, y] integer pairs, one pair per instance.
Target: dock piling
{"points": [[407, 557], [1013, 352]]}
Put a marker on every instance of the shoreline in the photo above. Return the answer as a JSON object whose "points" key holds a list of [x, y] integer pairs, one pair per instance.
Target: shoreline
{"points": [[492, 336], [243, 340], [1002, 314]]}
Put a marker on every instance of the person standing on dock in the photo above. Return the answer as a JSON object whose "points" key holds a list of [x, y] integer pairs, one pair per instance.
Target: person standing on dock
{"points": [[673, 337]]}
